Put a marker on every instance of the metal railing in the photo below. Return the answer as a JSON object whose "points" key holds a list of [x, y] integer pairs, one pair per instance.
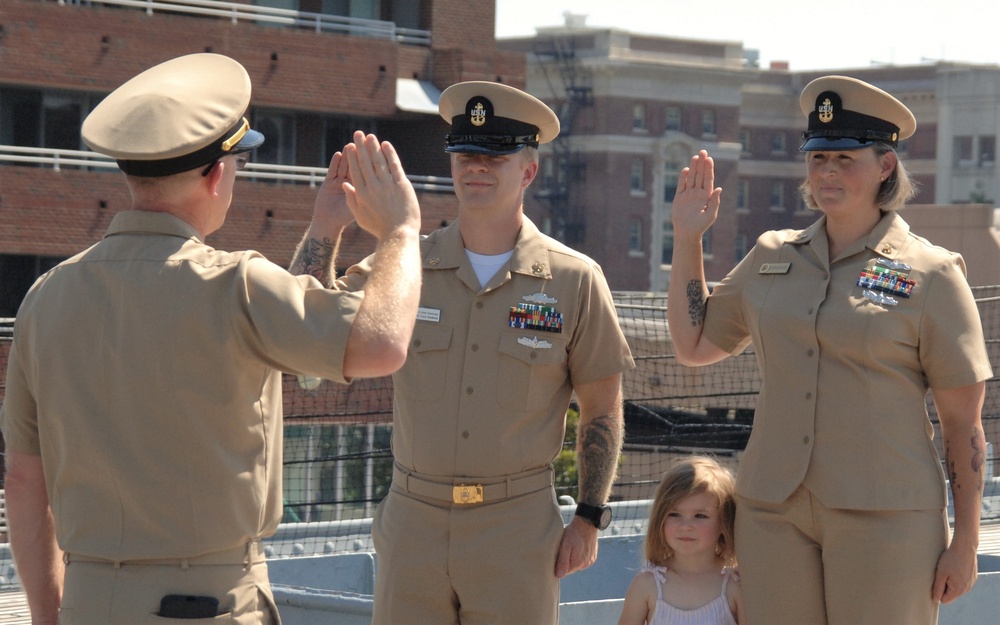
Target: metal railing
{"points": [[235, 11], [258, 172]]}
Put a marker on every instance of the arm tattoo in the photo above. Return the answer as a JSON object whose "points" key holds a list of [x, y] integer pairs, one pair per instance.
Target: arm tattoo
{"points": [[696, 302], [950, 469], [315, 257], [598, 446], [978, 454]]}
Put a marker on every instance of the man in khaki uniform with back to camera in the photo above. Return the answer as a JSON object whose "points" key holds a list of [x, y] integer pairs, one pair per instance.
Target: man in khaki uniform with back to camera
{"points": [[511, 323], [142, 415]]}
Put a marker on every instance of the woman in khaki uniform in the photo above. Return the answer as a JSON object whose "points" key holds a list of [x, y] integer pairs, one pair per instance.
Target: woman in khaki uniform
{"points": [[841, 496]]}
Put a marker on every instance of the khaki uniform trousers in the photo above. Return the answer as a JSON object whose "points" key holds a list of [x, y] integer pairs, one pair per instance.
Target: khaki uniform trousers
{"points": [[802, 563], [129, 593], [481, 564]]}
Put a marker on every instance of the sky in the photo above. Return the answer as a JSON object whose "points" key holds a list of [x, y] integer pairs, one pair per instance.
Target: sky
{"points": [[808, 34]]}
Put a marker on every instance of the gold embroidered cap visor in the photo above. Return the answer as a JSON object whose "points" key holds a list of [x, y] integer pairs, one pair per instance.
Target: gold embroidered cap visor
{"points": [[848, 114], [493, 118], [176, 116]]}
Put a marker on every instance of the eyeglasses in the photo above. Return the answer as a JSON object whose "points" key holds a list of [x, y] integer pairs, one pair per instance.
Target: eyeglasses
{"points": [[241, 162]]}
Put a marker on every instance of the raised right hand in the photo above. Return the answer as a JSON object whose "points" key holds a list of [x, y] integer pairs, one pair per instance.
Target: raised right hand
{"points": [[378, 193], [696, 202]]}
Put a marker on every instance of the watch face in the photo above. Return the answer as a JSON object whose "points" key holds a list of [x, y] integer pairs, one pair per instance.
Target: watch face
{"points": [[605, 519]]}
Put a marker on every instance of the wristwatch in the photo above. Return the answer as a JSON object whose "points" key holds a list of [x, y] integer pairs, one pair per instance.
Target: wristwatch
{"points": [[598, 516]]}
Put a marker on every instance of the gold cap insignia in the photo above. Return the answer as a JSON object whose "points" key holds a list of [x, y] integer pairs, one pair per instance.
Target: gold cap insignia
{"points": [[825, 111], [478, 114]]}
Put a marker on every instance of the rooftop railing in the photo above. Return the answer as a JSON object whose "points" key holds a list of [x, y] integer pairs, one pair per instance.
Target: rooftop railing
{"points": [[236, 12], [258, 172]]}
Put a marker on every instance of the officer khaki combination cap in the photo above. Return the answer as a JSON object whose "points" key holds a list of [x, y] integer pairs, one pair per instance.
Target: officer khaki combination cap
{"points": [[849, 114], [492, 118], [176, 116]]}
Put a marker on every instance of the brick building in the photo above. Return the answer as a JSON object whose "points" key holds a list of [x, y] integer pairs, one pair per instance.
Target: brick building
{"points": [[320, 70]]}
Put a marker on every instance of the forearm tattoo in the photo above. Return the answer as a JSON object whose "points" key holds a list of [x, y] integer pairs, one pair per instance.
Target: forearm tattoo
{"points": [[696, 302], [976, 462], [978, 458], [315, 258], [598, 445]]}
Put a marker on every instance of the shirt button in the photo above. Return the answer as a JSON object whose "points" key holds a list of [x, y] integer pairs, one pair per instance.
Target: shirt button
{"points": [[475, 347], [479, 304], [468, 390], [465, 434], [810, 311], [810, 353], [809, 395], [533, 355], [805, 440], [416, 342]]}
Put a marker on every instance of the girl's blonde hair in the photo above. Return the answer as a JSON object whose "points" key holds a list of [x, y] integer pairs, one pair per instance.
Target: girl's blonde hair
{"points": [[693, 476]]}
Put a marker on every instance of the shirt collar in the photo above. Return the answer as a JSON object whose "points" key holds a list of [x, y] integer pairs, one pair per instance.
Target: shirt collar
{"points": [[886, 238], [531, 254], [147, 222]]}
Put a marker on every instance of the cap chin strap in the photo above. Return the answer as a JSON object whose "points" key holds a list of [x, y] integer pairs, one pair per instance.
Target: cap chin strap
{"points": [[499, 140]]}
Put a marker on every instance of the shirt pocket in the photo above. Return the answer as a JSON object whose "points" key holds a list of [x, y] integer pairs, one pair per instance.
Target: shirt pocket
{"points": [[530, 371], [424, 375]]}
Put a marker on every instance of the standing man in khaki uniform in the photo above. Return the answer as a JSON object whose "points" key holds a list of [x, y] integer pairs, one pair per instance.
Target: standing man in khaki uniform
{"points": [[841, 503], [511, 324], [142, 415]]}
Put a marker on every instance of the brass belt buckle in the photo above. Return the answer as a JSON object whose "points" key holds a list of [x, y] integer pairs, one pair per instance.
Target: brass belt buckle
{"points": [[467, 493]]}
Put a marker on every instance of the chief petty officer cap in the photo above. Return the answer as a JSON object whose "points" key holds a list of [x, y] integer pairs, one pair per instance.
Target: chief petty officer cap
{"points": [[492, 118], [176, 116], [849, 114]]}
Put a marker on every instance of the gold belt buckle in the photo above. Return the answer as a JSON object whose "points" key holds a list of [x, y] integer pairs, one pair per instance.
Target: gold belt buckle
{"points": [[467, 493]]}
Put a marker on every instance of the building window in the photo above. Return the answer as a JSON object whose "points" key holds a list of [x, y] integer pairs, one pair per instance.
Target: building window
{"points": [[279, 129], [639, 117], [363, 9], [963, 151], [673, 121], [778, 196], [546, 174], [338, 132], [638, 182], [778, 143], [17, 274], [742, 195], [987, 150], [670, 179], [740, 246], [667, 254], [635, 237], [36, 119], [745, 141], [708, 122]]}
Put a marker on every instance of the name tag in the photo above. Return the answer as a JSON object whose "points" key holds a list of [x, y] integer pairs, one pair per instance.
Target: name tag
{"points": [[774, 268], [429, 314]]}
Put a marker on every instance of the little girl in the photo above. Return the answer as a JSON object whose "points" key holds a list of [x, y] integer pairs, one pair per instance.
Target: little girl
{"points": [[688, 577]]}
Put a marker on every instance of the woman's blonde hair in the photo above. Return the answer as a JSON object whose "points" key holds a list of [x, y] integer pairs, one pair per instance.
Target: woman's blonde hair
{"points": [[693, 476], [894, 192]]}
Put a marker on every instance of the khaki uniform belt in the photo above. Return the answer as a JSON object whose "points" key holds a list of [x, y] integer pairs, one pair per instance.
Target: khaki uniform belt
{"points": [[250, 553], [468, 490]]}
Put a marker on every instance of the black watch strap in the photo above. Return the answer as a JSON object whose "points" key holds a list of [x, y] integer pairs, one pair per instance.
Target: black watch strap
{"points": [[598, 516]]}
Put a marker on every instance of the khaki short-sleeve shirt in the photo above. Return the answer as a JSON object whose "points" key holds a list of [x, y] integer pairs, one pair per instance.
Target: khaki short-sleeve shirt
{"points": [[846, 367], [490, 371], [146, 373]]}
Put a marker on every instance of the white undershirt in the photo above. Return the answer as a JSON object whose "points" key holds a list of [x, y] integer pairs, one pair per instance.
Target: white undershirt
{"points": [[487, 266]]}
